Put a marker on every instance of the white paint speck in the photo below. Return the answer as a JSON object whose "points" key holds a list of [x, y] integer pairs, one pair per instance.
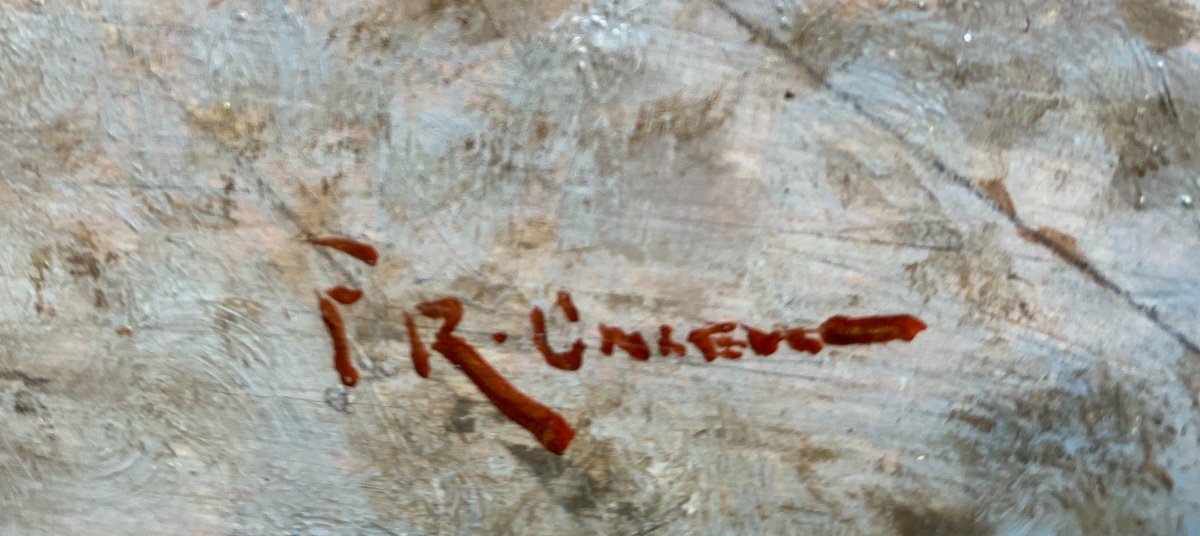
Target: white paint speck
{"points": [[339, 398], [1185, 200], [968, 37], [691, 506], [389, 367]]}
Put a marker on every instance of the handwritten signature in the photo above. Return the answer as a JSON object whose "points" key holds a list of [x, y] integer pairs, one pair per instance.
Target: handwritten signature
{"points": [[714, 341]]}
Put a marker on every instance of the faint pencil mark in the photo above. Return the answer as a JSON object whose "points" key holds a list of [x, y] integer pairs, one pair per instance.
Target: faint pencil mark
{"points": [[767, 39], [653, 527], [27, 379], [1166, 101], [20, 462], [280, 207], [897, 243], [384, 529]]}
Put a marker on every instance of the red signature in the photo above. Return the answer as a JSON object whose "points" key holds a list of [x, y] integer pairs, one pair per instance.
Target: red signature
{"points": [[716, 340]]}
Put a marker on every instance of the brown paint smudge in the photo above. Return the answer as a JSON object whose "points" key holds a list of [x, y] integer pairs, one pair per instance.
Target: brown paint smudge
{"points": [[1061, 243], [996, 190]]}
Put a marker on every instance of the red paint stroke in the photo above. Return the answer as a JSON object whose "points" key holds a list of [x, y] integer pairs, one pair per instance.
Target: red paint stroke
{"points": [[550, 428], [344, 295], [420, 356], [713, 347], [666, 346], [841, 330], [359, 250], [761, 342], [633, 344], [800, 342], [341, 346], [499, 337], [547, 426], [449, 310], [568, 306], [725, 341], [570, 360]]}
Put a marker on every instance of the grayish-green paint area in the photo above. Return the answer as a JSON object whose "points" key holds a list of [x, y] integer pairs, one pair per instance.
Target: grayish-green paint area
{"points": [[163, 369]]}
